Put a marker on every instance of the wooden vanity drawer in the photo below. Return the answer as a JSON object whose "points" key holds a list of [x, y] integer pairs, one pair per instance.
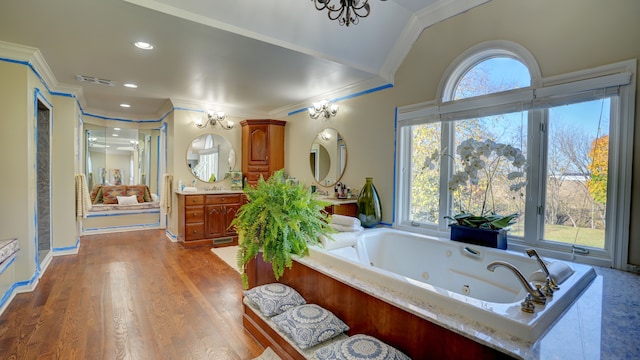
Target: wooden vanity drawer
{"points": [[193, 214], [194, 231], [194, 200], [256, 176], [261, 168], [223, 199]]}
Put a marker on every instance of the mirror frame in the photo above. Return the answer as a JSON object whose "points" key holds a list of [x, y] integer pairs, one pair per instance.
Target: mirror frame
{"points": [[222, 171], [341, 156]]}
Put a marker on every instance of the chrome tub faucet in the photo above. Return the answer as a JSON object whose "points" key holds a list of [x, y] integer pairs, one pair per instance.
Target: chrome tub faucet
{"points": [[533, 294], [551, 283]]}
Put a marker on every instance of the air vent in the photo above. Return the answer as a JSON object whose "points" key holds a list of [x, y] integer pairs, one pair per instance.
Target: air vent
{"points": [[95, 80]]}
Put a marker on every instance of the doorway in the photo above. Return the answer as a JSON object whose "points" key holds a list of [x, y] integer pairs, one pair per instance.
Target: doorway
{"points": [[43, 179]]}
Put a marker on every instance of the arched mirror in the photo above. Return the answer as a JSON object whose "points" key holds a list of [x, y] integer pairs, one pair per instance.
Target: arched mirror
{"points": [[328, 157], [210, 157]]}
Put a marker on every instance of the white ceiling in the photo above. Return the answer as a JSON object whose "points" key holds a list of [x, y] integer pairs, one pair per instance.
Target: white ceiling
{"points": [[245, 57]]}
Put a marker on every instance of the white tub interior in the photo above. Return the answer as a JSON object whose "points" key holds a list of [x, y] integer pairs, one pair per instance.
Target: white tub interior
{"points": [[454, 278]]}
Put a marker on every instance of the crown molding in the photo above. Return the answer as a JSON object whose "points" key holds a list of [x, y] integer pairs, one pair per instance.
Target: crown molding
{"points": [[333, 96], [427, 17], [229, 110]]}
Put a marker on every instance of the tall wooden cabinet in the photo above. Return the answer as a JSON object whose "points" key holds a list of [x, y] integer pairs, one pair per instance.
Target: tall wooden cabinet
{"points": [[262, 148], [203, 219]]}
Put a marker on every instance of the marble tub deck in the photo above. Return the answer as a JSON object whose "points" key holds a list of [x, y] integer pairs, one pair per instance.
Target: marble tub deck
{"points": [[603, 323]]}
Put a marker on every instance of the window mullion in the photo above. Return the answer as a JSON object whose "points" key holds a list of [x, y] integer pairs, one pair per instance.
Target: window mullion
{"points": [[536, 175], [446, 170]]}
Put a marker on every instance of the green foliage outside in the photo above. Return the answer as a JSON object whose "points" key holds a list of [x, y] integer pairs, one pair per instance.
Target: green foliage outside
{"points": [[280, 219]]}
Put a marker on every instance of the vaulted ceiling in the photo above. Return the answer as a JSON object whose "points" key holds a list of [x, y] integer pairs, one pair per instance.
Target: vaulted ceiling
{"points": [[245, 57]]}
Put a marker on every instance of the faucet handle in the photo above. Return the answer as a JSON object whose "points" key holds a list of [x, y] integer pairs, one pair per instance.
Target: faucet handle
{"points": [[527, 305], [547, 288]]}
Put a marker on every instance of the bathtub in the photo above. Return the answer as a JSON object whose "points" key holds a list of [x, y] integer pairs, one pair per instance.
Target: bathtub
{"points": [[451, 278]]}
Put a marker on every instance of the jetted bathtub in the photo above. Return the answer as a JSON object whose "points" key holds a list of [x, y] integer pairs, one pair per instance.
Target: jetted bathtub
{"points": [[452, 278]]}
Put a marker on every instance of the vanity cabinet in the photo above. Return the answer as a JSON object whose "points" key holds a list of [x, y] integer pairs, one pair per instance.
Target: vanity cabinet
{"points": [[204, 219], [262, 148], [343, 208]]}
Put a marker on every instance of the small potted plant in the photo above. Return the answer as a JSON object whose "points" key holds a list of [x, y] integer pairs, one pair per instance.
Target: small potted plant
{"points": [[279, 219], [482, 163]]}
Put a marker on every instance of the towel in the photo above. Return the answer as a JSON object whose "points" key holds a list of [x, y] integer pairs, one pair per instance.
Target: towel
{"points": [[339, 240], [166, 194], [348, 221], [558, 271], [83, 199], [344, 228]]}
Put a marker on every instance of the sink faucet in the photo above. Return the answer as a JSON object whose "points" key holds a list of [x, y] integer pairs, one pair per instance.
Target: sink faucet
{"points": [[533, 294], [551, 282]]}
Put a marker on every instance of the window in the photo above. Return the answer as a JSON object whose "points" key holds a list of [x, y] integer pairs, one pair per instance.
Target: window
{"points": [[573, 133]]}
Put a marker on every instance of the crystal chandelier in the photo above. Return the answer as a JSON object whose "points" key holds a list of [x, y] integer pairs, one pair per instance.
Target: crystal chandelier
{"points": [[347, 12]]}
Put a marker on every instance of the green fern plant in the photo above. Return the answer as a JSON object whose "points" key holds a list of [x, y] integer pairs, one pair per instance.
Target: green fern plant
{"points": [[279, 219]]}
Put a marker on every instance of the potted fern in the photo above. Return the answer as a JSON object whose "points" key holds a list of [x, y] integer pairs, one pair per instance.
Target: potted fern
{"points": [[279, 219]]}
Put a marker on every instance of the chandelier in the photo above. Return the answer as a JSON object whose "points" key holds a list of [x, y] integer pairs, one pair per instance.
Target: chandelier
{"points": [[323, 108], [347, 12]]}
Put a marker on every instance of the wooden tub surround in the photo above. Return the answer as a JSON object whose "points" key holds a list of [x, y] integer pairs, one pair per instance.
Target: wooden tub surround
{"points": [[364, 313]]}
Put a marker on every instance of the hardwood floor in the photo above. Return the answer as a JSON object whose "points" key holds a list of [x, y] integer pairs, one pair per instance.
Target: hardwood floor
{"points": [[131, 295]]}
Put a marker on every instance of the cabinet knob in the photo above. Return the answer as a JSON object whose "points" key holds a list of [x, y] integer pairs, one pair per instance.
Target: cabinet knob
{"points": [[195, 214], [222, 199], [195, 231]]}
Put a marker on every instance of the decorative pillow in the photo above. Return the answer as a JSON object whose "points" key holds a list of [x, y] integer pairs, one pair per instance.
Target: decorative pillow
{"points": [[309, 325], [97, 198], [273, 299], [110, 193], [147, 194], [359, 347], [127, 200], [138, 191]]}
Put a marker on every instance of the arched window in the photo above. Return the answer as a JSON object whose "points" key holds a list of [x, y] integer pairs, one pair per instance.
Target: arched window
{"points": [[497, 141]]}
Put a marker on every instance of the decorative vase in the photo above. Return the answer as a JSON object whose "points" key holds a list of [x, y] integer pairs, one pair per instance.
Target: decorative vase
{"points": [[483, 237], [369, 210]]}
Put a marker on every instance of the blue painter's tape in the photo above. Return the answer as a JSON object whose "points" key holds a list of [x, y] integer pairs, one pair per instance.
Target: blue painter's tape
{"points": [[152, 211], [365, 92], [171, 235], [395, 160], [73, 247], [7, 264]]}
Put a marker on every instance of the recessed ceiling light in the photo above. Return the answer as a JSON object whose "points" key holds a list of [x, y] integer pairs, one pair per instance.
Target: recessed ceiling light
{"points": [[116, 129], [115, 135], [131, 85], [143, 45], [125, 105]]}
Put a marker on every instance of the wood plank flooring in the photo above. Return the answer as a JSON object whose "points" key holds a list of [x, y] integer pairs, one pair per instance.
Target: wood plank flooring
{"points": [[130, 295]]}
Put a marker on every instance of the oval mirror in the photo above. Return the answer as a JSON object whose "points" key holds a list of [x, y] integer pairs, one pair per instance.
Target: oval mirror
{"points": [[210, 157], [328, 157]]}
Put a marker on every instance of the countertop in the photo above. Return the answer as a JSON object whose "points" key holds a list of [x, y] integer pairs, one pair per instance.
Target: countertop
{"points": [[338, 201], [603, 323], [209, 192]]}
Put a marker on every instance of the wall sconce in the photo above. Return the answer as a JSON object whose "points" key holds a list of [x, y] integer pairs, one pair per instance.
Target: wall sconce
{"points": [[324, 109], [325, 135], [214, 118], [135, 144]]}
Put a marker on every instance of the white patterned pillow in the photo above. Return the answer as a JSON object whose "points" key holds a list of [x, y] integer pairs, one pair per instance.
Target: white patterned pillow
{"points": [[360, 347], [273, 299], [309, 325]]}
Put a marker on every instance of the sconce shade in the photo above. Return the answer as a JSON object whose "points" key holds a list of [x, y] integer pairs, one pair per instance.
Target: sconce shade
{"points": [[214, 118], [323, 108]]}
